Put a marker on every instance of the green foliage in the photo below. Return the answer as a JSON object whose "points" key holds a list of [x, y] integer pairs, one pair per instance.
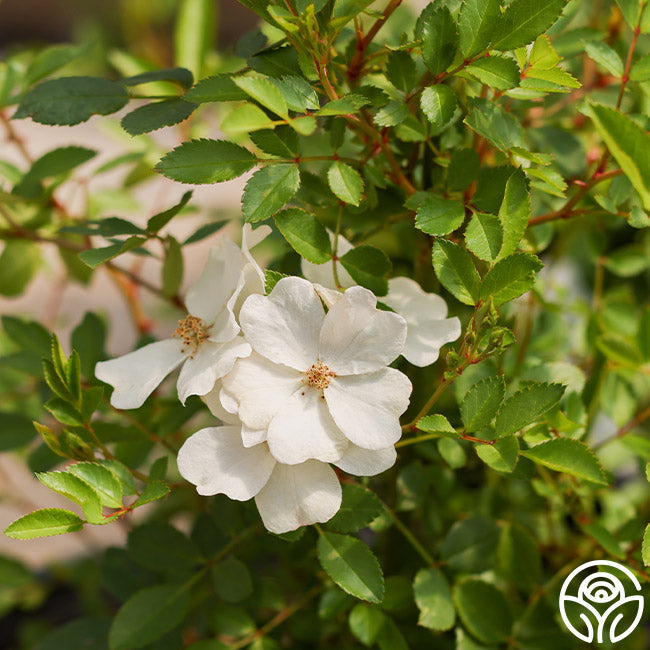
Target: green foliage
{"points": [[466, 149]]}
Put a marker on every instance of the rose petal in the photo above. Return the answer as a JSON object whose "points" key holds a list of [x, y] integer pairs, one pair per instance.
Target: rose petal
{"points": [[210, 362], [284, 325], [213, 400], [216, 462], [367, 462], [260, 389], [135, 375], [356, 337], [304, 429], [428, 329], [366, 408], [299, 495], [323, 273], [217, 282]]}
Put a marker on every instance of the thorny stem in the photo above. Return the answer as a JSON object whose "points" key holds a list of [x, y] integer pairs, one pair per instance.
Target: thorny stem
{"points": [[566, 211]]}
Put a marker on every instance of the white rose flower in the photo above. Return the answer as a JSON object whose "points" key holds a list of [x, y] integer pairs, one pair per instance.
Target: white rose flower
{"points": [[206, 341], [316, 386], [287, 496], [425, 313]]}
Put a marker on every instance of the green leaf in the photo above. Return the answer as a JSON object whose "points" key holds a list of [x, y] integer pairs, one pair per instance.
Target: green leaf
{"points": [[147, 615], [556, 77], [463, 169], [15, 431], [246, 119], [268, 190], [510, 277], [456, 271], [438, 103], [433, 598], [502, 455], [77, 490], [605, 57], [282, 142], [182, 76], [640, 70], [439, 40], [390, 637], [489, 120], [518, 558], [628, 143], [93, 257], [352, 566], [481, 403], [160, 547], [44, 523], [643, 334], [297, 92], [53, 163], [484, 236], [568, 456], [194, 35], [469, 546], [366, 623], [344, 105], [232, 580], [369, 267], [172, 269], [271, 278], [206, 161], [395, 112], [526, 406], [160, 220], [305, 234], [104, 482], [19, 261], [438, 216], [359, 507], [484, 610], [220, 88], [51, 59], [345, 182], [605, 539], [524, 20], [71, 100], [437, 424], [401, 71], [153, 491], [63, 411], [645, 548], [514, 212], [543, 55], [476, 23], [265, 93], [157, 115], [80, 634], [27, 334], [495, 71]]}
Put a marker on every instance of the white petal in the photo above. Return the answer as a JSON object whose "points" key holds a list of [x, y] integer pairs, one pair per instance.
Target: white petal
{"points": [[135, 375], [356, 337], [299, 495], [323, 273], [210, 362], [213, 401], [367, 407], [249, 239], [284, 325], [304, 429], [428, 329], [216, 462], [252, 437], [217, 282], [367, 462], [260, 389], [424, 340], [328, 296]]}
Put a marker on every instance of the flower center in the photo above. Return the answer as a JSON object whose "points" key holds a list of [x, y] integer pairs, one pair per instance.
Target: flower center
{"points": [[319, 376], [191, 331]]}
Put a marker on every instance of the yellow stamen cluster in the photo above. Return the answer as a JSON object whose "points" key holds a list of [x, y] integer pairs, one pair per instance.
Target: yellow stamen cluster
{"points": [[319, 376], [191, 331]]}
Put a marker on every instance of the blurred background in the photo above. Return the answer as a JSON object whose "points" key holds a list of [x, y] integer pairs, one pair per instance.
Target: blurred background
{"points": [[119, 38]]}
